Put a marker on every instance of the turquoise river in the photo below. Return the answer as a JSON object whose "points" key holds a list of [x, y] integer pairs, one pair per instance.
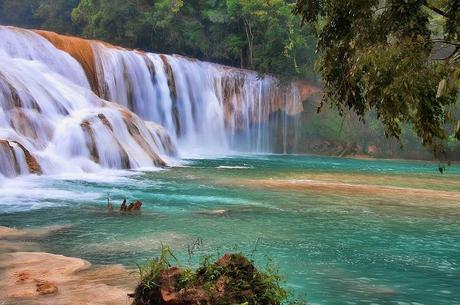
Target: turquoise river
{"points": [[342, 231]]}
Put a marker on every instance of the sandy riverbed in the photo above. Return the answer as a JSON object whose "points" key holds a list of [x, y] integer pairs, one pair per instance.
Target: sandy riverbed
{"points": [[439, 197]]}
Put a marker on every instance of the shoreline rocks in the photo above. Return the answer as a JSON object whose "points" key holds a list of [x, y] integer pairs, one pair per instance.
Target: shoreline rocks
{"points": [[41, 278]]}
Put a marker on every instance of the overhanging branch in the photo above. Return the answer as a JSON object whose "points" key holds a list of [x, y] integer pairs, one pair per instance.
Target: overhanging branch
{"points": [[436, 10]]}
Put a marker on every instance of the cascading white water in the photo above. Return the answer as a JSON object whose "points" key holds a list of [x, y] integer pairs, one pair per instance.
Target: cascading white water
{"points": [[19, 43], [207, 108], [51, 122], [147, 107]]}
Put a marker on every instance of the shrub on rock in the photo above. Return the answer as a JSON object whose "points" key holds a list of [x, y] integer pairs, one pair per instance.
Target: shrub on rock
{"points": [[232, 279]]}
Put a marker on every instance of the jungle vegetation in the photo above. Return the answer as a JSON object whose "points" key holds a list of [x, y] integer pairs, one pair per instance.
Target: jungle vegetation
{"points": [[390, 63], [398, 59], [254, 34]]}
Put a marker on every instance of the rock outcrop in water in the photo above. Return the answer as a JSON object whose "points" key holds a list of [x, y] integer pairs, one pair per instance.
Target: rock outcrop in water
{"points": [[232, 279], [133, 206], [75, 105]]}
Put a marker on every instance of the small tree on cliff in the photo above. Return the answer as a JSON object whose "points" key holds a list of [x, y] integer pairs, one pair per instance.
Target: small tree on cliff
{"points": [[398, 58]]}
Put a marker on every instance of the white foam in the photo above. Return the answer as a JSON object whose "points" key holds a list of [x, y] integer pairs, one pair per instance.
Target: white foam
{"points": [[234, 167], [30, 193]]}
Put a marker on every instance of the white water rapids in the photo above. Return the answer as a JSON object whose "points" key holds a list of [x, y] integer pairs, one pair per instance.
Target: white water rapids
{"points": [[146, 109]]}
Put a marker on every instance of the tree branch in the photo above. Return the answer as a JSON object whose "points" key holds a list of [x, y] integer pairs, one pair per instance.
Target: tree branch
{"points": [[436, 10], [452, 43]]}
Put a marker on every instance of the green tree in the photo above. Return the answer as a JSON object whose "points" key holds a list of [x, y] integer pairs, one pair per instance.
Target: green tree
{"points": [[19, 12], [255, 34], [54, 15], [176, 28], [398, 58], [273, 41], [116, 21]]}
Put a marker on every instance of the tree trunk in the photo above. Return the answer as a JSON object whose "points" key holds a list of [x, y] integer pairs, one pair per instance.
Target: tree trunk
{"points": [[250, 38]]}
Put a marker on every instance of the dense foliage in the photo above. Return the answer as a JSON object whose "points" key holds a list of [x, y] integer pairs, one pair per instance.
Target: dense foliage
{"points": [[256, 34], [397, 58]]}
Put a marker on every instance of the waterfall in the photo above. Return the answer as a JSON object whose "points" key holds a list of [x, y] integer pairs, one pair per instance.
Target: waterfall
{"points": [[51, 122], [206, 108], [74, 105]]}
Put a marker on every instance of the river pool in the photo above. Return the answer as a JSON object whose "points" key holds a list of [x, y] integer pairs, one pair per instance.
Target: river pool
{"points": [[343, 231]]}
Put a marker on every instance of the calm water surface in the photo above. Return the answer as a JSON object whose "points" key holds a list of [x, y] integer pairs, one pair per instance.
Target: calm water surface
{"points": [[334, 248]]}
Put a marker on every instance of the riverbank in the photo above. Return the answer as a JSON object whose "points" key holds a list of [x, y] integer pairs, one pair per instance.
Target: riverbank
{"points": [[29, 276]]}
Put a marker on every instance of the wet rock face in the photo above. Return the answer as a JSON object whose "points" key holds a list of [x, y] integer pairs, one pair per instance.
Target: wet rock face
{"points": [[232, 279], [136, 134], [32, 163], [8, 165], [12, 158], [79, 49], [90, 140]]}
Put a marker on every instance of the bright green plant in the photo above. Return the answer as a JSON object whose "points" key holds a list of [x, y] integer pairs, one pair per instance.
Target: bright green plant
{"points": [[150, 272]]}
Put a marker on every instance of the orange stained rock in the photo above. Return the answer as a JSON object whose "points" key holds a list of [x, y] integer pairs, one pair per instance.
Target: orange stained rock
{"points": [[45, 287], [32, 163], [307, 90], [78, 48]]}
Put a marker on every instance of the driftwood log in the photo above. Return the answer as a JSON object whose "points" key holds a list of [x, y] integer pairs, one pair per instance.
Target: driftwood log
{"points": [[133, 206]]}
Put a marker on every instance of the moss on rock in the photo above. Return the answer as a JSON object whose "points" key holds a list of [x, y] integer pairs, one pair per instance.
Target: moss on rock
{"points": [[232, 279]]}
